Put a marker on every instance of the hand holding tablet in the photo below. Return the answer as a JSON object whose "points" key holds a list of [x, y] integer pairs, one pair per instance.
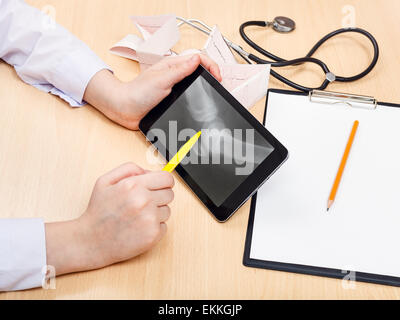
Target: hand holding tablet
{"points": [[235, 154]]}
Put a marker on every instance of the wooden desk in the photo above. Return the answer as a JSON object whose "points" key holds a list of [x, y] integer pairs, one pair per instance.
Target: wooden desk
{"points": [[52, 154]]}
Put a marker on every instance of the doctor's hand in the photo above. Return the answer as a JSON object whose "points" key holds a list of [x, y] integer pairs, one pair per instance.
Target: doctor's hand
{"points": [[126, 216], [127, 103]]}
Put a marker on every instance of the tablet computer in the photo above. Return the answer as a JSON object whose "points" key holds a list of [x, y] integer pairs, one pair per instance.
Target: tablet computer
{"points": [[235, 154]]}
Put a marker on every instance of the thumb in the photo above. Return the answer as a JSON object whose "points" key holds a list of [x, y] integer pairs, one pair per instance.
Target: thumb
{"points": [[179, 71]]}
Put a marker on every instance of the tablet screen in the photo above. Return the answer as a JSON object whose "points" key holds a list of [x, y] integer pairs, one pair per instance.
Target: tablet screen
{"points": [[229, 149]]}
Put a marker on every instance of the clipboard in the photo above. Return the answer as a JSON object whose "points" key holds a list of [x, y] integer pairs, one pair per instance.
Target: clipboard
{"points": [[331, 98]]}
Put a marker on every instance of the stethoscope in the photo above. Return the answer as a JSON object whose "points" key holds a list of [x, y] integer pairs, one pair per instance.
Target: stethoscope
{"points": [[285, 25]]}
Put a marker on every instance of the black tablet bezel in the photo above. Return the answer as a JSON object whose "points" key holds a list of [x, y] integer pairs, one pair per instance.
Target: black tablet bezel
{"points": [[254, 181]]}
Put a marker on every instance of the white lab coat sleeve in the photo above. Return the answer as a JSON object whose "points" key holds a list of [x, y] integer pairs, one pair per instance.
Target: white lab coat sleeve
{"points": [[44, 54], [22, 254]]}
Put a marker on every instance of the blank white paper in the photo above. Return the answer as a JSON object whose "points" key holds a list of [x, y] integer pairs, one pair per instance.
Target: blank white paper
{"points": [[361, 230]]}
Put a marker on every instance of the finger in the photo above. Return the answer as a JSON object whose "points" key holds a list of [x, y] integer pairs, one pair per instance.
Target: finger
{"points": [[205, 61], [188, 64], [179, 68], [177, 60], [164, 213], [162, 197], [124, 171], [211, 66], [163, 230], [156, 180]]}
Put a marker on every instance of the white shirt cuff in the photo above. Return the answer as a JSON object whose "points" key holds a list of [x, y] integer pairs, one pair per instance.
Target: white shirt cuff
{"points": [[22, 254], [73, 74]]}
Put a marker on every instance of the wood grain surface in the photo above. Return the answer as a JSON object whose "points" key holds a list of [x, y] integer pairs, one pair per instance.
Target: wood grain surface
{"points": [[52, 154]]}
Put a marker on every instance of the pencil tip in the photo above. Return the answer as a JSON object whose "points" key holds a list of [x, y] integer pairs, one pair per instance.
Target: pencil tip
{"points": [[330, 202]]}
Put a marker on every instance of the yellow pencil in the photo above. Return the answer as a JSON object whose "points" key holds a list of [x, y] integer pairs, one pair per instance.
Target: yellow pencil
{"points": [[339, 174], [182, 153]]}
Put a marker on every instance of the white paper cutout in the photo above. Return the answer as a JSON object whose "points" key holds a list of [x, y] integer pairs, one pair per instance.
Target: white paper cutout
{"points": [[247, 83]]}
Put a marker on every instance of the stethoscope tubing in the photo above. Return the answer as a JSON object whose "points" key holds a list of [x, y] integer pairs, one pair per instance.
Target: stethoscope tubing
{"points": [[280, 62]]}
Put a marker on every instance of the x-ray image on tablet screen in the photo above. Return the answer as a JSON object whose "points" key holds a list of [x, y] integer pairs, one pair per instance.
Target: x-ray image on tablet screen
{"points": [[229, 150]]}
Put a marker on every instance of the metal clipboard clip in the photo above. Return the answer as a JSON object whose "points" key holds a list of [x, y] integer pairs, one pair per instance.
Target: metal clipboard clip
{"points": [[352, 100]]}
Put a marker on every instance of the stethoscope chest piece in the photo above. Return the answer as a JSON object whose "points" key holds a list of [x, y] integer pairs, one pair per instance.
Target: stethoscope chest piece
{"points": [[283, 24]]}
